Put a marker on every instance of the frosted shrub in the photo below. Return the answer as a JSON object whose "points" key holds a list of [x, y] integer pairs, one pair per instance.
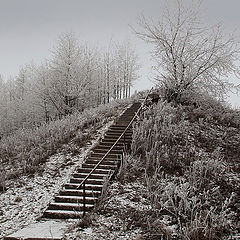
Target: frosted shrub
{"points": [[194, 214], [130, 169], [201, 105], [202, 172]]}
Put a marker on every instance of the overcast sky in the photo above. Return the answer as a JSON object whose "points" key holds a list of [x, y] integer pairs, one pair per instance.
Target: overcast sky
{"points": [[29, 28]]}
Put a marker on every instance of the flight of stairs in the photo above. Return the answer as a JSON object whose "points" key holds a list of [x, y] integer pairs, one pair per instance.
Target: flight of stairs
{"points": [[69, 202]]}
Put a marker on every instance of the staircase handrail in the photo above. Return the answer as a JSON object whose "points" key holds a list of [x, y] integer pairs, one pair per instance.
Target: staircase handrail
{"points": [[108, 152]]}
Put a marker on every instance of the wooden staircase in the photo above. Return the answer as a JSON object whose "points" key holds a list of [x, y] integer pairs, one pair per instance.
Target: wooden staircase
{"points": [[81, 193]]}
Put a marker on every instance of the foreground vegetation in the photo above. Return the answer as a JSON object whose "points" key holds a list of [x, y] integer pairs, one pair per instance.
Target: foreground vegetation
{"points": [[24, 151]]}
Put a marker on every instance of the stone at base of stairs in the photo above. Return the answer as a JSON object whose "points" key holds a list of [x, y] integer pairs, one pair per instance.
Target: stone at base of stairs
{"points": [[43, 230]]}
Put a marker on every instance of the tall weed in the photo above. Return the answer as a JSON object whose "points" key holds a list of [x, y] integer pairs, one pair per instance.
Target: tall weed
{"points": [[162, 138]]}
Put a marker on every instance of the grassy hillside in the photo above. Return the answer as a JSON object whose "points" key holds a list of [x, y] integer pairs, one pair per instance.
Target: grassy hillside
{"points": [[181, 180], [190, 165], [24, 151]]}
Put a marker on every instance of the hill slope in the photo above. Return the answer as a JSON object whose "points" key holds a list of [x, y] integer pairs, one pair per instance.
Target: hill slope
{"points": [[28, 186], [180, 182]]}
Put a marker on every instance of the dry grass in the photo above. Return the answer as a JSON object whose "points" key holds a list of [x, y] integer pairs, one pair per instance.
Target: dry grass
{"points": [[24, 151], [191, 167]]}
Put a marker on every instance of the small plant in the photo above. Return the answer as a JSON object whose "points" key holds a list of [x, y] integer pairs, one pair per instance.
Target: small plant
{"points": [[164, 128]]}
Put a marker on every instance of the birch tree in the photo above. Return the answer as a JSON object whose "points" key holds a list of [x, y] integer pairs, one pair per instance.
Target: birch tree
{"points": [[188, 55]]}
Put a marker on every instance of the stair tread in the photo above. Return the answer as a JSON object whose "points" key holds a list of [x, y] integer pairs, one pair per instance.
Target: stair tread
{"points": [[101, 165], [75, 197], [86, 184], [87, 191], [67, 212], [92, 181], [101, 176], [70, 204], [99, 168], [88, 170]]}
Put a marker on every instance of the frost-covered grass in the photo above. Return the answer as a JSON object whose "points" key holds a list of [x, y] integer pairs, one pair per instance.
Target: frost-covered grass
{"points": [[25, 150], [181, 180], [25, 200], [189, 163]]}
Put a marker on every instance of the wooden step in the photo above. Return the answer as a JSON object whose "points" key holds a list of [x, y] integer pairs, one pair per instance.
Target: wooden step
{"points": [[93, 176], [119, 131], [104, 150], [69, 206], [75, 199], [114, 137], [91, 166], [104, 162], [117, 134], [88, 181], [108, 146], [119, 128], [97, 171], [113, 140], [87, 186], [79, 192], [62, 214], [109, 156]]}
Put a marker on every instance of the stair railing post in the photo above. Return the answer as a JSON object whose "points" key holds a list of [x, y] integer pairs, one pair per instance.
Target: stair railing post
{"points": [[84, 199]]}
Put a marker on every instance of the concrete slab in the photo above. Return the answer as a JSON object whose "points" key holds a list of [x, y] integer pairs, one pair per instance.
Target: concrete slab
{"points": [[42, 230]]}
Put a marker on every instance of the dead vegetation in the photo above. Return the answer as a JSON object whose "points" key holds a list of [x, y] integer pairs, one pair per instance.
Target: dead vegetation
{"points": [[25, 151], [185, 164]]}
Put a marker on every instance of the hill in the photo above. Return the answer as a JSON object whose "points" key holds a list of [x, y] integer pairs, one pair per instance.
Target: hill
{"points": [[181, 180], [36, 162]]}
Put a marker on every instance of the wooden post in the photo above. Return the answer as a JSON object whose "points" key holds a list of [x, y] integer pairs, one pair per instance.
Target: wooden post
{"points": [[84, 199]]}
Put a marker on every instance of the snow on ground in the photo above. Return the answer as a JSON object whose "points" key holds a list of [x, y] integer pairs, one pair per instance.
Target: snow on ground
{"points": [[27, 197], [104, 228], [121, 214], [107, 223]]}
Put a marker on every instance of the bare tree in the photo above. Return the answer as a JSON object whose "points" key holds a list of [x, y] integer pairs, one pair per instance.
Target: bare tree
{"points": [[126, 68], [74, 78], [67, 80], [190, 56]]}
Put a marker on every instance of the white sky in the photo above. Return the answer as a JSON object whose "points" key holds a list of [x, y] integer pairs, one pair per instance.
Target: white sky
{"points": [[29, 28]]}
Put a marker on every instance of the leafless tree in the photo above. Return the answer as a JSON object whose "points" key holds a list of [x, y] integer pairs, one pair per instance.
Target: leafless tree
{"points": [[74, 78], [189, 55], [126, 68]]}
